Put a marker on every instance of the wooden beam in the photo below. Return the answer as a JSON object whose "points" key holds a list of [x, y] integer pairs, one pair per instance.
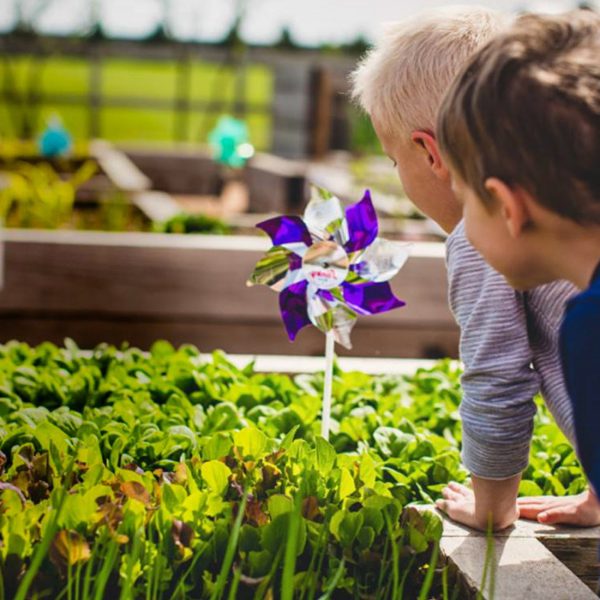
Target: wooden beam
{"points": [[139, 287], [119, 168], [524, 565], [157, 206]]}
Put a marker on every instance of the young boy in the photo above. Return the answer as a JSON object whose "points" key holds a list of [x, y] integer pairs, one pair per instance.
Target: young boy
{"points": [[509, 340], [520, 130]]}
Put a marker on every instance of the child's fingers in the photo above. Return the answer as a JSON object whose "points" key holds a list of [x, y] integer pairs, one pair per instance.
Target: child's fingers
{"points": [[460, 488], [449, 494], [580, 514], [531, 512], [561, 514], [446, 506]]}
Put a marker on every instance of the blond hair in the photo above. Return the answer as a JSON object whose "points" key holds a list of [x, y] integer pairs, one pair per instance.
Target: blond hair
{"points": [[402, 80]]}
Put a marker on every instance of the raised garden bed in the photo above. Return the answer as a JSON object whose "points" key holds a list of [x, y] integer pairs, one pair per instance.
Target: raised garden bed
{"points": [[183, 190], [187, 290], [131, 287], [176, 475]]}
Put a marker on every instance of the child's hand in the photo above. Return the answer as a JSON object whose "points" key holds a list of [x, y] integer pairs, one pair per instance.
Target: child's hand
{"points": [[582, 510], [459, 505]]}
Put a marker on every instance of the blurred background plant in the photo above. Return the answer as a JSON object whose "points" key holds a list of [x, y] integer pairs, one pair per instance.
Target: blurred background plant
{"points": [[37, 196], [186, 223]]}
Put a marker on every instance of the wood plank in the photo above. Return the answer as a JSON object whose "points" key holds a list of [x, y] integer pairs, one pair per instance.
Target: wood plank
{"points": [[528, 546], [524, 569], [176, 276], [276, 185], [177, 170], [157, 206], [119, 168], [98, 287], [525, 528], [580, 555], [233, 336]]}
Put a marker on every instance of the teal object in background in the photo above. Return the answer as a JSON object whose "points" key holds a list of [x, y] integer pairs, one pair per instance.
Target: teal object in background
{"points": [[230, 142], [55, 140]]}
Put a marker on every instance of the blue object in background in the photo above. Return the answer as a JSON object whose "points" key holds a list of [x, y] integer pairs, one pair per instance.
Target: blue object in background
{"points": [[230, 142], [55, 140]]}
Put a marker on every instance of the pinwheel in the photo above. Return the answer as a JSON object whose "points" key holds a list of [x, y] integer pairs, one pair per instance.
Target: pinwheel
{"points": [[329, 267]]}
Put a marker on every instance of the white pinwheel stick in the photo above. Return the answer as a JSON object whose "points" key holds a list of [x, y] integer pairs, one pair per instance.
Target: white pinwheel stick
{"points": [[327, 384]]}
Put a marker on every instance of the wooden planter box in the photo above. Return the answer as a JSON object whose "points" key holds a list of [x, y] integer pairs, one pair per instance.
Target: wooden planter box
{"points": [[529, 561], [136, 288]]}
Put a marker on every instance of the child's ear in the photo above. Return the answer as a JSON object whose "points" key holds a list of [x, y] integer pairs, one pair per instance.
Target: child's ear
{"points": [[428, 144], [511, 203]]}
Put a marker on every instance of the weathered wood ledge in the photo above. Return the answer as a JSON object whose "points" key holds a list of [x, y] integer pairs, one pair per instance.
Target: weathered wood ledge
{"points": [[139, 287], [530, 561]]}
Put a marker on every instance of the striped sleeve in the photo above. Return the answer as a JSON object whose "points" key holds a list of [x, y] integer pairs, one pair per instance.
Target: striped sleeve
{"points": [[498, 383]]}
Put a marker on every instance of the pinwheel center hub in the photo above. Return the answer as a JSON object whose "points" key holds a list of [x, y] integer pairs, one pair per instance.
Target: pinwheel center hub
{"points": [[325, 264]]}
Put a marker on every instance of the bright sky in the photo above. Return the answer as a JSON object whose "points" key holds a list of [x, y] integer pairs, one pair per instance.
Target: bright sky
{"points": [[311, 21]]}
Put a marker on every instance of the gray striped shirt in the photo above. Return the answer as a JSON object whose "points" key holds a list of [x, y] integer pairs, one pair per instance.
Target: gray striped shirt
{"points": [[509, 347]]}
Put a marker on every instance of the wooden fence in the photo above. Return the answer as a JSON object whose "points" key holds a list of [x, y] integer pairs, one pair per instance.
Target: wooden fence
{"points": [[307, 112]]}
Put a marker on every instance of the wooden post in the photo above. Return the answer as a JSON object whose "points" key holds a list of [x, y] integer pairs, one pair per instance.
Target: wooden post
{"points": [[95, 95], [321, 95], [240, 65], [291, 109], [181, 105]]}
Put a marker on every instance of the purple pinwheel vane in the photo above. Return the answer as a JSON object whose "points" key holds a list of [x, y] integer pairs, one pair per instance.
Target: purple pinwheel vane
{"points": [[330, 266]]}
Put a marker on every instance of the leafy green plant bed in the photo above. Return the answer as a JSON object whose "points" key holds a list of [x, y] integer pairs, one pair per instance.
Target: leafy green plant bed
{"points": [[189, 223], [166, 475]]}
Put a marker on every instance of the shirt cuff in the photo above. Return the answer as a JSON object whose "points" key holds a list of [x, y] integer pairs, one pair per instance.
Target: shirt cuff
{"points": [[494, 461]]}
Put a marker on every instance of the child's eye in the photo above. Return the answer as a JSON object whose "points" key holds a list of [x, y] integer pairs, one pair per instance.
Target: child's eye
{"points": [[394, 162]]}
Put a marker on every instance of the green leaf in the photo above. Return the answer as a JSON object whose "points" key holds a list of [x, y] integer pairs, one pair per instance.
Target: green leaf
{"points": [[345, 526], [79, 509], [216, 474], [251, 442], [279, 505], [260, 563], [218, 446], [173, 497], [365, 538], [249, 538], [161, 349], [347, 485], [367, 471], [286, 442], [325, 455], [274, 535], [373, 519], [529, 488], [299, 450]]}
